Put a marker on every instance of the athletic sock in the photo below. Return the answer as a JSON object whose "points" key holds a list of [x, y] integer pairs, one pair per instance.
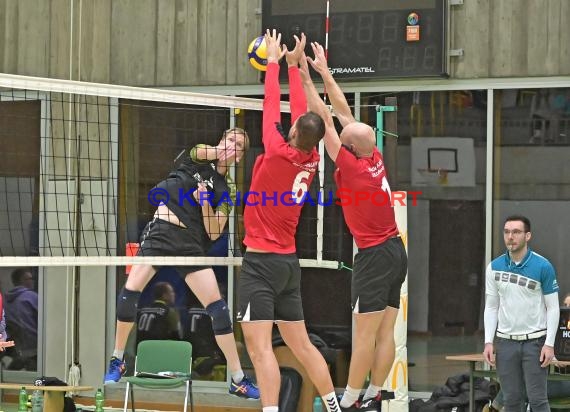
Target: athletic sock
{"points": [[371, 392], [331, 403], [349, 396], [237, 376], [119, 354], [270, 409]]}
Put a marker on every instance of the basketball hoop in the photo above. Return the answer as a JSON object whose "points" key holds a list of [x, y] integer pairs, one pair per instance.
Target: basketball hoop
{"points": [[434, 177]]}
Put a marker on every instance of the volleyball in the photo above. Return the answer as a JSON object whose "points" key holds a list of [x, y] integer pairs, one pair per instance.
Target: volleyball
{"points": [[257, 53]]}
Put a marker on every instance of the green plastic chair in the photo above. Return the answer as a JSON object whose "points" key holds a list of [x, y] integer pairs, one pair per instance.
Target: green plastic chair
{"points": [[154, 356]]}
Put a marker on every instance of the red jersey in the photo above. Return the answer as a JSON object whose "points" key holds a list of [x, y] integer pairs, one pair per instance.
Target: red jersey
{"points": [[281, 175], [365, 196]]}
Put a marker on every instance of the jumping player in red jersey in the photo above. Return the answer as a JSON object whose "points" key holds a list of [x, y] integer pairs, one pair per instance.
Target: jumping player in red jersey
{"points": [[380, 265], [270, 280]]}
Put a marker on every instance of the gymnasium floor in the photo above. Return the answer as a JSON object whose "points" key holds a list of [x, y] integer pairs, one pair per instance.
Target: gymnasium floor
{"points": [[428, 353]]}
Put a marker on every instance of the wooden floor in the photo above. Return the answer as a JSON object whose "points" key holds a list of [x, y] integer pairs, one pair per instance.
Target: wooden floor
{"points": [[427, 355]]}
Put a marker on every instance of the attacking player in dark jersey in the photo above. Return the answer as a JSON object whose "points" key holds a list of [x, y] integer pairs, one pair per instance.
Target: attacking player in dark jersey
{"points": [[380, 266], [270, 280], [185, 226]]}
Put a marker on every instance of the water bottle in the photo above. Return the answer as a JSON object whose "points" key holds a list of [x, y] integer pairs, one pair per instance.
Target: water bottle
{"points": [[317, 404], [23, 400], [37, 401], [99, 401]]}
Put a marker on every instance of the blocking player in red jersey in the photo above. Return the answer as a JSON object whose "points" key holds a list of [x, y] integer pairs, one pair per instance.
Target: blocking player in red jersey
{"points": [[270, 282], [380, 266]]}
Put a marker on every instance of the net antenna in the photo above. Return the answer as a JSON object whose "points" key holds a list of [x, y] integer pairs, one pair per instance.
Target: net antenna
{"points": [[88, 189], [327, 26]]}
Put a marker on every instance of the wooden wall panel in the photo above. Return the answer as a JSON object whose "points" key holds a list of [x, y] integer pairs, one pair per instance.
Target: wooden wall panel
{"points": [[2, 32], [211, 53], [518, 39], [232, 42], [33, 37], [60, 38], [470, 31], [501, 35], [565, 38], [247, 27], [10, 28], [553, 44], [537, 37], [165, 29], [96, 41], [204, 42], [133, 42], [510, 38], [186, 42]]}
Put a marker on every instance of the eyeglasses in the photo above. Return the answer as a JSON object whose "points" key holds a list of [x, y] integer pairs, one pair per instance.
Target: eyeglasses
{"points": [[514, 232]]}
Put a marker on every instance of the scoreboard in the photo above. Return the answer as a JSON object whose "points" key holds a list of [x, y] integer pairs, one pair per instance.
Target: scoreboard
{"points": [[368, 39]]}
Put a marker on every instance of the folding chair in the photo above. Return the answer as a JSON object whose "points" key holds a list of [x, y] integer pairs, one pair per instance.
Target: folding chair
{"points": [[154, 356]]}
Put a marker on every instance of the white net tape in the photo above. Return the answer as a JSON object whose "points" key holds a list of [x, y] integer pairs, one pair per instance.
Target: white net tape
{"points": [[15, 261]]}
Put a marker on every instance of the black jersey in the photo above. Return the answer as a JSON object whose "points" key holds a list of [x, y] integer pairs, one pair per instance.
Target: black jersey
{"points": [[157, 322], [183, 181]]}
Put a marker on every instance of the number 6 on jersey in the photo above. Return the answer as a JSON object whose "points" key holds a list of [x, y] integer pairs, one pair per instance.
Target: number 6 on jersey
{"points": [[300, 186]]}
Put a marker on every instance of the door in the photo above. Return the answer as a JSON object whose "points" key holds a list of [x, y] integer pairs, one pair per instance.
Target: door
{"points": [[456, 268]]}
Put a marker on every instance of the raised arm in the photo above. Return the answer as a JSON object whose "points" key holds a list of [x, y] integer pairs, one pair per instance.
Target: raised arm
{"points": [[336, 96], [297, 98], [214, 220], [272, 99], [331, 139]]}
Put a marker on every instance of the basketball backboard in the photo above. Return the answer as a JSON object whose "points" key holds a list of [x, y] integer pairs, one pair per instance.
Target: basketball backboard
{"points": [[443, 161]]}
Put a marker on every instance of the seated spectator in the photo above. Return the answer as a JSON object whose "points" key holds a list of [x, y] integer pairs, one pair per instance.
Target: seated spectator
{"points": [[159, 320], [21, 308]]}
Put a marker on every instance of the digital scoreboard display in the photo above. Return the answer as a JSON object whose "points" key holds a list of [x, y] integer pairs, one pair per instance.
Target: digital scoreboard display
{"points": [[368, 39]]}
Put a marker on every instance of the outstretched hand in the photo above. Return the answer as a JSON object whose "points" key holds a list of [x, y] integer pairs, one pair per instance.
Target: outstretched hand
{"points": [[293, 57], [319, 62], [274, 49]]}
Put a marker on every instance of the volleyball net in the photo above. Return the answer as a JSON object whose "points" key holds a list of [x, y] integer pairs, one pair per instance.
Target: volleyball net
{"points": [[78, 162]]}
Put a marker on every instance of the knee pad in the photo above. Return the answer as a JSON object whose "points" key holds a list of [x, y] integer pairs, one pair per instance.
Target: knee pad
{"points": [[220, 314], [127, 305]]}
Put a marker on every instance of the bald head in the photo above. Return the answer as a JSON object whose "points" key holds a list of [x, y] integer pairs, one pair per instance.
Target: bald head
{"points": [[360, 137]]}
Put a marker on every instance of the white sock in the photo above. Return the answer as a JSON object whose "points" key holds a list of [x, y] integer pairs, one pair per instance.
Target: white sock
{"points": [[371, 392], [331, 403], [119, 354], [349, 396], [237, 376], [270, 409]]}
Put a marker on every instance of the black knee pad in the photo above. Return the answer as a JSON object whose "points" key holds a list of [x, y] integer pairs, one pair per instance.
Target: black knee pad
{"points": [[220, 314], [127, 305]]}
